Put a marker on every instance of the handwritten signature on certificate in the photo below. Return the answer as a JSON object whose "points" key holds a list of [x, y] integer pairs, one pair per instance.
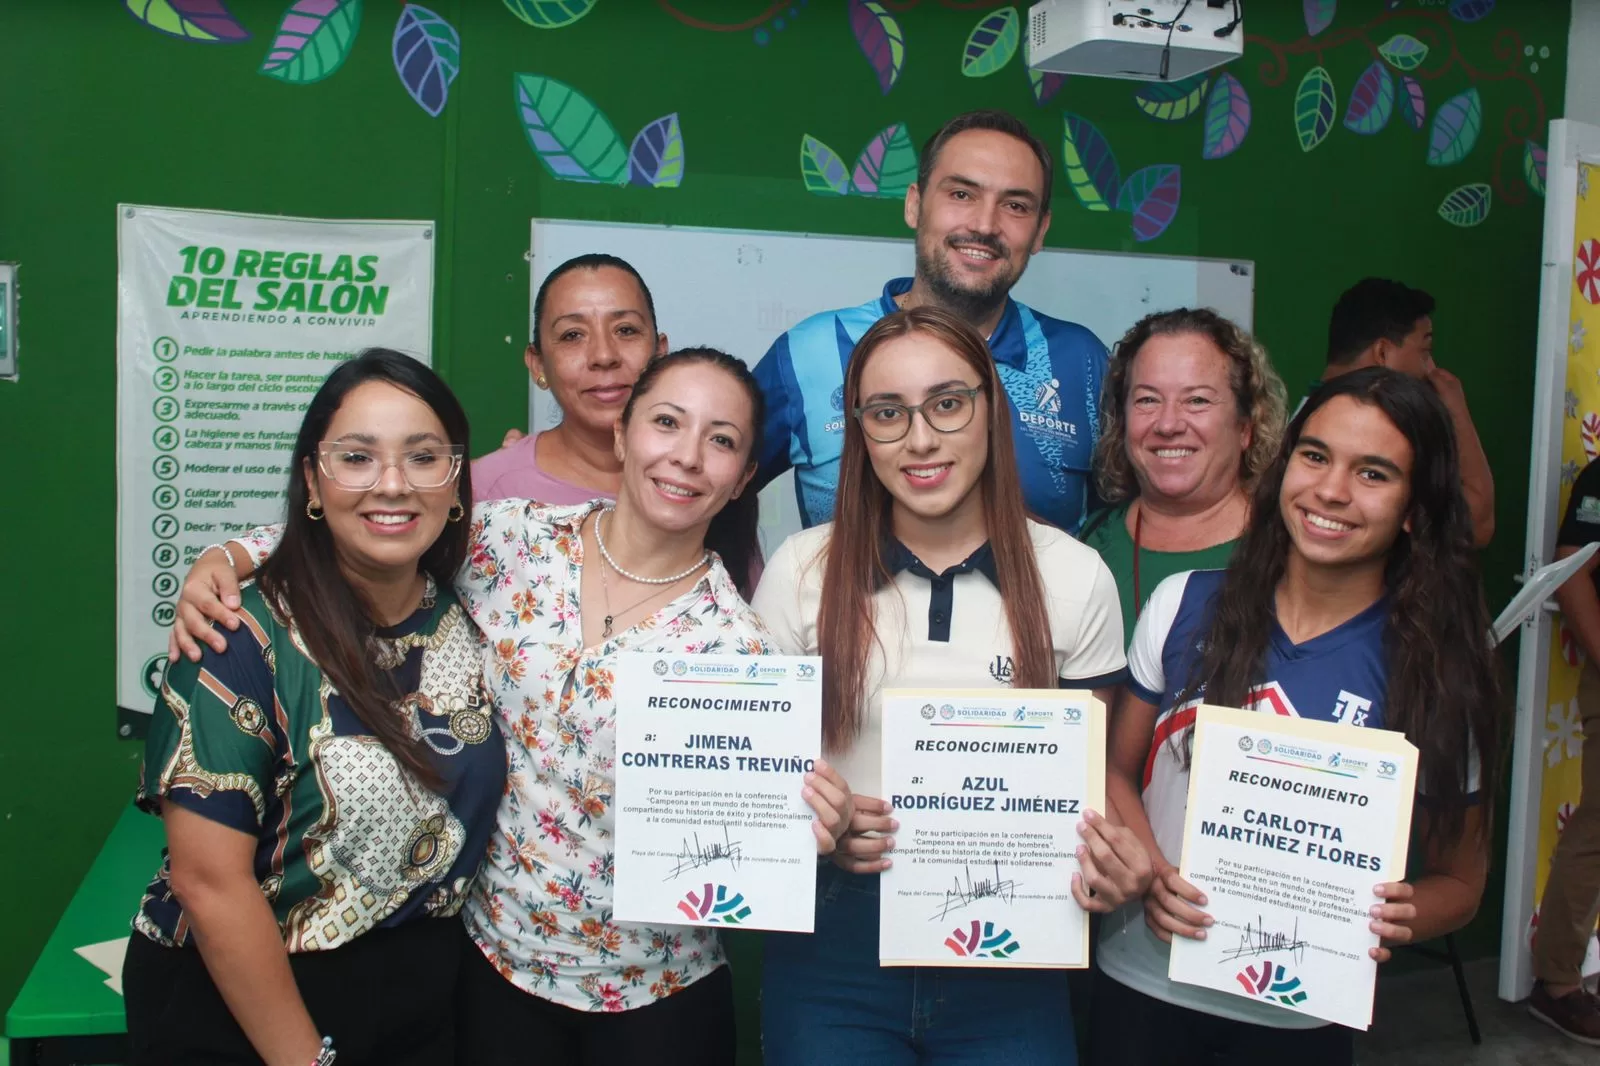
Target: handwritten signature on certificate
{"points": [[1257, 940], [960, 895], [692, 854]]}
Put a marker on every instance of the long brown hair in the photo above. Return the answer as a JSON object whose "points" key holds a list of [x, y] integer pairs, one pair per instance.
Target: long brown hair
{"points": [[302, 578], [862, 522]]}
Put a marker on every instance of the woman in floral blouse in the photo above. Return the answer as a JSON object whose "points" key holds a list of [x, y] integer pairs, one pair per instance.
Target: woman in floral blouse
{"points": [[552, 973]]}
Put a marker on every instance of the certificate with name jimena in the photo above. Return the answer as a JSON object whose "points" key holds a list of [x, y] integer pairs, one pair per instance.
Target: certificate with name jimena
{"points": [[1290, 825], [711, 826], [989, 786]]}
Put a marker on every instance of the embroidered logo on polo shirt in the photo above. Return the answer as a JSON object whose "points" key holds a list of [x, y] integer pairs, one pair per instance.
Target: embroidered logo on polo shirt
{"points": [[1047, 397], [1002, 669], [1588, 510], [1045, 415]]}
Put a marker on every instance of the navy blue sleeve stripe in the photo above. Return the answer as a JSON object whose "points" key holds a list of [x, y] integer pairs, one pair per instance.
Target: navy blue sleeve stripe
{"points": [[1152, 698]]}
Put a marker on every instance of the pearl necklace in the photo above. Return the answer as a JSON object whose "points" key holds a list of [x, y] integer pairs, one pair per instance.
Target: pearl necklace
{"points": [[605, 554]]}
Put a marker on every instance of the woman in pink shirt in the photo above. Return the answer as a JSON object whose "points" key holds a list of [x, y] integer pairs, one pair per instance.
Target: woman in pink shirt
{"points": [[594, 330]]}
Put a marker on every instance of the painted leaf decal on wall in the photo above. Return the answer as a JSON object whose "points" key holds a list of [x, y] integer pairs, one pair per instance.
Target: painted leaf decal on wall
{"points": [[1403, 51], [550, 14], [1171, 101], [313, 40], [1090, 165], [880, 39], [1045, 85], [1533, 166], [1319, 15], [656, 156], [1466, 206], [570, 136], [1456, 126], [1371, 101], [427, 56], [1227, 118], [1314, 108], [1413, 105], [824, 172], [992, 43], [193, 20], [887, 165], [1470, 10], [1151, 196]]}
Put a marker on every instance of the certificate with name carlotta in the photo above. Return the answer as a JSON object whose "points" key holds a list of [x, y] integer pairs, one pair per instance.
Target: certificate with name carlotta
{"points": [[1290, 825], [988, 786], [712, 752]]}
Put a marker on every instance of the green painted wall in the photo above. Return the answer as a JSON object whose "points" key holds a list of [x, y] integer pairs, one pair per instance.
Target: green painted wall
{"points": [[100, 109]]}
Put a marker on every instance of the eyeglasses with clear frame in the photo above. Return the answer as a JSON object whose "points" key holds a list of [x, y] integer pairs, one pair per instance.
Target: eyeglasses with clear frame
{"points": [[949, 411], [359, 468]]}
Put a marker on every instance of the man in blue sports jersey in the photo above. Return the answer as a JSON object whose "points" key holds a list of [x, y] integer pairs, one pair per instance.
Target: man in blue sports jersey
{"points": [[980, 208]]}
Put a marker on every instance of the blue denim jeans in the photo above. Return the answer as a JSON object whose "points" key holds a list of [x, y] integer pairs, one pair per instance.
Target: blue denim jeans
{"points": [[826, 1002]]}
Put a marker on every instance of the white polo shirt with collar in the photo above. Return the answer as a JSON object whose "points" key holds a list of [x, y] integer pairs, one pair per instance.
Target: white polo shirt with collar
{"points": [[948, 630]]}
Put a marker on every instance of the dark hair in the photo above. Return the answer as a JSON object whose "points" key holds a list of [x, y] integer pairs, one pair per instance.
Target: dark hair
{"points": [[302, 579], [735, 532], [1443, 685], [994, 121], [1371, 310], [1258, 394], [589, 261], [863, 514]]}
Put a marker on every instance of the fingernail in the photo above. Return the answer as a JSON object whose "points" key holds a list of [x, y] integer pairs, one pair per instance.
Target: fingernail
{"points": [[1201, 935], [891, 842], [1207, 920], [1377, 890], [809, 778], [1203, 901], [1375, 911], [894, 824], [1090, 812], [887, 863], [808, 792], [1080, 851], [1082, 826]]}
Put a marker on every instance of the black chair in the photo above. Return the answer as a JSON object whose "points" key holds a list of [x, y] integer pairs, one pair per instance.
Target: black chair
{"points": [[1453, 957]]}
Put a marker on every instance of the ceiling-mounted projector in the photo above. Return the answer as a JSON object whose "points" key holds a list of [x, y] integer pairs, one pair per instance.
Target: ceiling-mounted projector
{"points": [[1148, 40]]}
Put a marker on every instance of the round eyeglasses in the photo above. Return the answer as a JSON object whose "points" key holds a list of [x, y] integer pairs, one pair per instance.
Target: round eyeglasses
{"points": [[945, 412], [360, 468]]}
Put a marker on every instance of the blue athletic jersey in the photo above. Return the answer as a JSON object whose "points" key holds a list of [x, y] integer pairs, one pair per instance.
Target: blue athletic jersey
{"points": [[1340, 676], [1051, 370]]}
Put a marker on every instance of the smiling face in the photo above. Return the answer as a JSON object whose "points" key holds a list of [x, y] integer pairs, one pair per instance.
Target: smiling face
{"points": [[931, 475], [1347, 487], [686, 449], [595, 335], [978, 220], [382, 531], [1185, 433]]}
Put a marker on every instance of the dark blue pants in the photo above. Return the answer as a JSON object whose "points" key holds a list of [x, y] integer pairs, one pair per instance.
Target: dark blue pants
{"points": [[826, 1002]]}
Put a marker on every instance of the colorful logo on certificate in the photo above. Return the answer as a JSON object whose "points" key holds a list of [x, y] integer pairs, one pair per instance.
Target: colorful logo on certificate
{"points": [[1272, 983], [715, 903], [982, 941], [680, 668]]}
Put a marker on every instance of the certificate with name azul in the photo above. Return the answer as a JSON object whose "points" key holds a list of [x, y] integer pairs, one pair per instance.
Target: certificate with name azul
{"points": [[1290, 824], [712, 752], [989, 786]]}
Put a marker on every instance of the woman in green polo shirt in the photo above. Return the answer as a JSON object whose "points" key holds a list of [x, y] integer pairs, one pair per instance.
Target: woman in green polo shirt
{"points": [[1191, 413]]}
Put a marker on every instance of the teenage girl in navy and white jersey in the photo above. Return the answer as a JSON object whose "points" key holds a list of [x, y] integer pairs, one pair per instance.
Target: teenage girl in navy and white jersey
{"points": [[1353, 597]]}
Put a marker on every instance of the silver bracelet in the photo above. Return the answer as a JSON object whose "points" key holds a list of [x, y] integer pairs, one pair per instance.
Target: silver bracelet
{"points": [[226, 554], [325, 1057]]}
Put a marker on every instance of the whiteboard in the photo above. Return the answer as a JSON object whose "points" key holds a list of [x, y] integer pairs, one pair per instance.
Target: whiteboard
{"points": [[739, 289]]}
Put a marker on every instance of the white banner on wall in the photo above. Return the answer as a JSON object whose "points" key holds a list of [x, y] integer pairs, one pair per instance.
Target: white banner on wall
{"points": [[226, 326]]}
